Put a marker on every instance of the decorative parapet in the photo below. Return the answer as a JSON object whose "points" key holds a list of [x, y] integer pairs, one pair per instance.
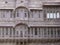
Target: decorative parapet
{"points": [[35, 5], [6, 5]]}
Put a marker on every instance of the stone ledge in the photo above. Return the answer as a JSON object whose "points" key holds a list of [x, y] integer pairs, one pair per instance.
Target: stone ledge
{"points": [[51, 3]]}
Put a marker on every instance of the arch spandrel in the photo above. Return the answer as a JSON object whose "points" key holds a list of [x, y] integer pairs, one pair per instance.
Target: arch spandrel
{"points": [[21, 24], [22, 7]]}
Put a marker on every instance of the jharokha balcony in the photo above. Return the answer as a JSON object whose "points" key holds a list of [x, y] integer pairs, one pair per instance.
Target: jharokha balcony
{"points": [[30, 33]]}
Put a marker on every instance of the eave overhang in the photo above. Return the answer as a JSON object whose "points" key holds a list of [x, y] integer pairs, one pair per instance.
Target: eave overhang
{"points": [[51, 3]]}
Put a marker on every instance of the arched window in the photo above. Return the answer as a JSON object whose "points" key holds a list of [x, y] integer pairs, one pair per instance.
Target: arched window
{"points": [[21, 30], [21, 13]]}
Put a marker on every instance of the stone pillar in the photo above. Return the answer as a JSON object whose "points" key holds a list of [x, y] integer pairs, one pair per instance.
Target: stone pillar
{"points": [[1, 31], [37, 32], [33, 32], [47, 32], [23, 42], [56, 32], [30, 32], [41, 32], [53, 33], [12, 32], [4, 32], [9, 31], [31, 14]]}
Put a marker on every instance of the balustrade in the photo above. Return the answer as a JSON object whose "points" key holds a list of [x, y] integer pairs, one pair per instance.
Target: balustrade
{"points": [[44, 33], [31, 33]]}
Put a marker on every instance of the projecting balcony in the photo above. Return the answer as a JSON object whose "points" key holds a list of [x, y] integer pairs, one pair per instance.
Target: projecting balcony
{"points": [[30, 33]]}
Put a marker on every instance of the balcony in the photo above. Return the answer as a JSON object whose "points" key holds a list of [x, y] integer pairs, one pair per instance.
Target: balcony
{"points": [[28, 37], [30, 33]]}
